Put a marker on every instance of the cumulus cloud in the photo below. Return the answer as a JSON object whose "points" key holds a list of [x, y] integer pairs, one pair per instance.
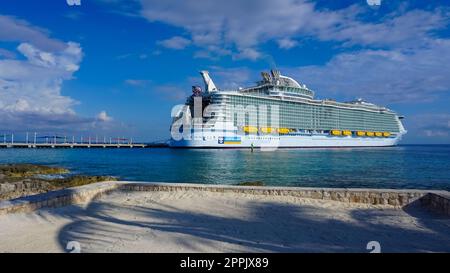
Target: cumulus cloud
{"points": [[232, 78], [247, 53], [175, 42], [430, 125], [399, 56], [287, 43], [411, 29], [16, 30], [103, 117], [30, 86], [384, 76], [228, 26], [34, 84]]}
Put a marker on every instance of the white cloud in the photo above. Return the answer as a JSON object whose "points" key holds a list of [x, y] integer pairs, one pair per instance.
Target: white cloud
{"points": [[16, 30], [30, 86], [383, 76], [175, 42], [137, 82], [411, 29], [37, 80], [399, 58], [287, 43], [231, 78], [247, 53], [16, 121], [103, 117], [229, 26], [430, 125], [171, 92], [434, 133], [7, 54]]}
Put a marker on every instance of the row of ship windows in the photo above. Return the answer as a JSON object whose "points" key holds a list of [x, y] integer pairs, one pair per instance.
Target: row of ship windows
{"points": [[307, 117], [338, 124], [327, 128], [334, 113], [326, 125], [316, 120], [236, 100], [319, 120]]}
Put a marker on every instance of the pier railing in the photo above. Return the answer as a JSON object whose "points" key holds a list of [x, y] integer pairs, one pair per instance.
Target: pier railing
{"points": [[57, 141]]}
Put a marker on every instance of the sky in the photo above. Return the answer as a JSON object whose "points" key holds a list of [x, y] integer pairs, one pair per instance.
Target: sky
{"points": [[116, 68]]}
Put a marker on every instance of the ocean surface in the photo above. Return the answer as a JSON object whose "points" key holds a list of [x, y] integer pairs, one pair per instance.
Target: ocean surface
{"points": [[415, 166]]}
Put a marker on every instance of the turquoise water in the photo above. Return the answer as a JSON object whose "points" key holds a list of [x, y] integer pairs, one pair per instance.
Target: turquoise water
{"points": [[425, 167]]}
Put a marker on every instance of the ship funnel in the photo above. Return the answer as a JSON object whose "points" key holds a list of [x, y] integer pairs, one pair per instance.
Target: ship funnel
{"points": [[265, 76], [275, 73], [209, 84]]}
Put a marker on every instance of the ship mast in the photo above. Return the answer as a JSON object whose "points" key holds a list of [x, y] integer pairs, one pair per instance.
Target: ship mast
{"points": [[209, 84]]}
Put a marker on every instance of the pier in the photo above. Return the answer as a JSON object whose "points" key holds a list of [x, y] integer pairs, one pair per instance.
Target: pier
{"points": [[55, 141], [71, 145]]}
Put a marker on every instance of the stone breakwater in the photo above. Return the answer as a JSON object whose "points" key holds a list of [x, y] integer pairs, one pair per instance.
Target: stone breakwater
{"points": [[438, 201], [17, 180]]}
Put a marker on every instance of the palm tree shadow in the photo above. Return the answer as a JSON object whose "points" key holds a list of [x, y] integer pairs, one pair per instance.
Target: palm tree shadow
{"points": [[267, 227]]}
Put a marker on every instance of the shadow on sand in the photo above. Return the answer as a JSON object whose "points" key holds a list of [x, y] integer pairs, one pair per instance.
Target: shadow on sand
{"points": [[269, 227]]}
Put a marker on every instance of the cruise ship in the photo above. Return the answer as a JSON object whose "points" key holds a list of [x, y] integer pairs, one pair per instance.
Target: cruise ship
{"points": [[279, 112]]}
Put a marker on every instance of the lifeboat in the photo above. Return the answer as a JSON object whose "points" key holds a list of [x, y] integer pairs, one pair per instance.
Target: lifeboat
{"points": [[283, 130], [267, 130], [369, 134], [378, 134], [347, 133], [386, 134], [336, 132], [250, 129], [360, 133]]}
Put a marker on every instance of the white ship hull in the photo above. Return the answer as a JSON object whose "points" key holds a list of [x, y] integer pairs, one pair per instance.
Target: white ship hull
{"points": [[283, 141]]}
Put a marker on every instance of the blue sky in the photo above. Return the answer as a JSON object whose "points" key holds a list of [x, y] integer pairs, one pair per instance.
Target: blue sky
{"points": [[116, 68]]}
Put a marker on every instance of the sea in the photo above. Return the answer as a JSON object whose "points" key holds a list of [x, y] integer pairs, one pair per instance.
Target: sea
{"points": [[405, 166]]}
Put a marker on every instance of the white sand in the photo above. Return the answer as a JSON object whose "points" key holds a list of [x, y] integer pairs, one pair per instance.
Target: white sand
{"points": [[193, 221]]}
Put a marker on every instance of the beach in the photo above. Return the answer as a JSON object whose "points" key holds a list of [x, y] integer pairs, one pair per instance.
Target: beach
{"points": [[208, 221]]}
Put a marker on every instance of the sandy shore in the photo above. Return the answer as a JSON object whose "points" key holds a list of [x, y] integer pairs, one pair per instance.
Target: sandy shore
{"points": [[193, 221]]}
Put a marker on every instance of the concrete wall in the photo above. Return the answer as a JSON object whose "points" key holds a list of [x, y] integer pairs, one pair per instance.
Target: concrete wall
{"points": [[10, 190], [57, 198], [348, 195], [436, 200]]}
